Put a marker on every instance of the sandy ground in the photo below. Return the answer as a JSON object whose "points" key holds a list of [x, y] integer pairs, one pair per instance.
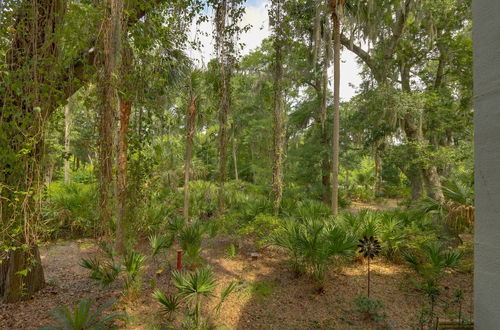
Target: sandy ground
{"points": [[287, 302]]}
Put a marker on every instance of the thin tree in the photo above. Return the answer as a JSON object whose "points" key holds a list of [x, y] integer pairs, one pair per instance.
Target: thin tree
{"points": [[190, 129], [225, 97], [67, 132], [325, 139], [276, 19], [125, 107], [336, 7]]}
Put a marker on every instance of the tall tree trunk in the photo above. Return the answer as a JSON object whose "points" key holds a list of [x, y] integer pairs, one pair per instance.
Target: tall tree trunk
{"points": [[121, 178], [111, 52], [190, 127], [325, 163], [67, 131], [336, 106], [27, 101], [235, 159], [278, 113], [224, 60], [378, 173]]}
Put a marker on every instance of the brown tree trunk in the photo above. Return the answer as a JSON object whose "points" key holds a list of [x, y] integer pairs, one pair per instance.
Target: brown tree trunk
{"points": [[378, 174], [225, 96], [336, 108], [67, 131], [235, 159], [121, 178], [33, 65], [111, 51], [415, 178], [190, 127], [325, 163], [433, 184], [278, 113], [21, 275]]}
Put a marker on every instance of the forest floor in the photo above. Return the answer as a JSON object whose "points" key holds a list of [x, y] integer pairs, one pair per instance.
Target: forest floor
{"points": [[270, 295]]}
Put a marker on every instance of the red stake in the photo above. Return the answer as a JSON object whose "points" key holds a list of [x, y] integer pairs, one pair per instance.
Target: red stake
{"points": [[179, 259]]}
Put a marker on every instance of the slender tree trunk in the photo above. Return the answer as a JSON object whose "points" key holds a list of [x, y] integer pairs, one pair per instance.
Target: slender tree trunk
{"points": [[378, 173], [190, 127], [235, 159], [225, 96], [325, 163], [67, 131], [121, 178], [336, 109], [278, 113]]}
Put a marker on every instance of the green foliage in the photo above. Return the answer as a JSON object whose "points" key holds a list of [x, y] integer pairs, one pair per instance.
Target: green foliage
{"points": [[261, 228], [191, 237], [169, 303], [81, 317], [262, 289], [314, 244], [133, 263], [370, 309], [231, 251], [70, 209], [194, 288], [105, 273], [158, 243]]}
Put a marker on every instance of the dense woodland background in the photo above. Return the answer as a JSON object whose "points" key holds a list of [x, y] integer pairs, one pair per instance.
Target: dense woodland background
{"points": [[110, 131]]}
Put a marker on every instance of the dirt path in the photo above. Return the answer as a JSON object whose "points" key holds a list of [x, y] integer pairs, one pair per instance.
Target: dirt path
{"points": [[270, 296]]}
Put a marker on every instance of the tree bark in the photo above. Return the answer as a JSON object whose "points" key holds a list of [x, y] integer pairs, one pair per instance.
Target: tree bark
{"points": [[336, 107], [110, 103], [67, 132], [325, 162], [121, 178], [225, 96], [21, 274], [190, 127], [433, 184], [278, 113], [235, 159]]}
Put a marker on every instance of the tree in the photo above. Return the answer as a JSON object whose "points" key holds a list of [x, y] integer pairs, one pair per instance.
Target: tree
{"points": [[190, 131], [276, 19], [336, 7]]}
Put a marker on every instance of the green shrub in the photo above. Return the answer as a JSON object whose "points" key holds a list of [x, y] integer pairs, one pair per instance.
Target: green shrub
{"points": [[70, 209], [194, 288], [103, 272], [81, 317], [133, 263], [370, 309], [261, 228], [314, 244], [190, 237]]}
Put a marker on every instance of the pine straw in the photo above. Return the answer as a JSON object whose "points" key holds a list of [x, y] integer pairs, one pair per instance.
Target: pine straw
{"points": [[293, 303]]}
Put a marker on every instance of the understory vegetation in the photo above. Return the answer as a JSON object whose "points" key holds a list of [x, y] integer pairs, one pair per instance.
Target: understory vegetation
{"points": [[194, 186]]}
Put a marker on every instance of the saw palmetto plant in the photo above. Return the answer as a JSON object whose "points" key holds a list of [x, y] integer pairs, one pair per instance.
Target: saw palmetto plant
{"points": [[369, 247]]}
